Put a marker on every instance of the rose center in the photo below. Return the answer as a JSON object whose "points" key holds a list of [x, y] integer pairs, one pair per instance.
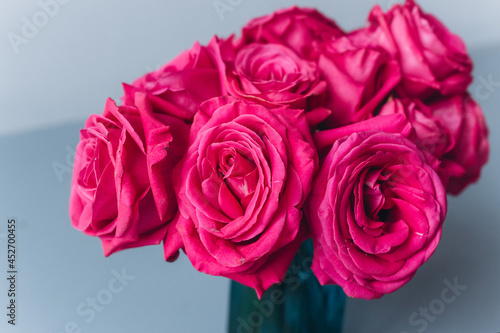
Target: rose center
{"points": [[378, 195], [262, 63], [239, 174]]}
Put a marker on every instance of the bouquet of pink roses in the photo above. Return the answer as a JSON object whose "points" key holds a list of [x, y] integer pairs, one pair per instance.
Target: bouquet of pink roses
{"points": [[238, 151]]}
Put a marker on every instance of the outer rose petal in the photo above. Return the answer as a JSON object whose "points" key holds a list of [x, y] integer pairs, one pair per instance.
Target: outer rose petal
{"points": [[391, 123], [183, 84], [359, 79], [430, 135]]}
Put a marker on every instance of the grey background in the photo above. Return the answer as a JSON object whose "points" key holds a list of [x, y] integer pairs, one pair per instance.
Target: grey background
{"points": [[79, 57]]}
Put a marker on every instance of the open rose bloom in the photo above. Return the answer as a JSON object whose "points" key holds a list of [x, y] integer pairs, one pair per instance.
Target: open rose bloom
{"points": [[238, 151], [241, 185], [376, 212]]}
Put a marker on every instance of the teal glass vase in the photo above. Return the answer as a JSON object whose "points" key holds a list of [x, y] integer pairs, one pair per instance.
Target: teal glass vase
{"points": [[298, 305]]}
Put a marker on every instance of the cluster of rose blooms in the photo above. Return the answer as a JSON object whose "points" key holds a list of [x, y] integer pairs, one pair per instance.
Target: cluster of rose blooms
{"points": [[238, 151]]}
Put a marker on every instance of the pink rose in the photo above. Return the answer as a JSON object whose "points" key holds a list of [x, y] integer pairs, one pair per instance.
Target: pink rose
{"points": [[430, 134], [432, 59], [452, 129], [375, 211], [121, 190], [183, 84], [464, 120], [359, 80], [240, 190], [269, 74], [301, 29]]}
